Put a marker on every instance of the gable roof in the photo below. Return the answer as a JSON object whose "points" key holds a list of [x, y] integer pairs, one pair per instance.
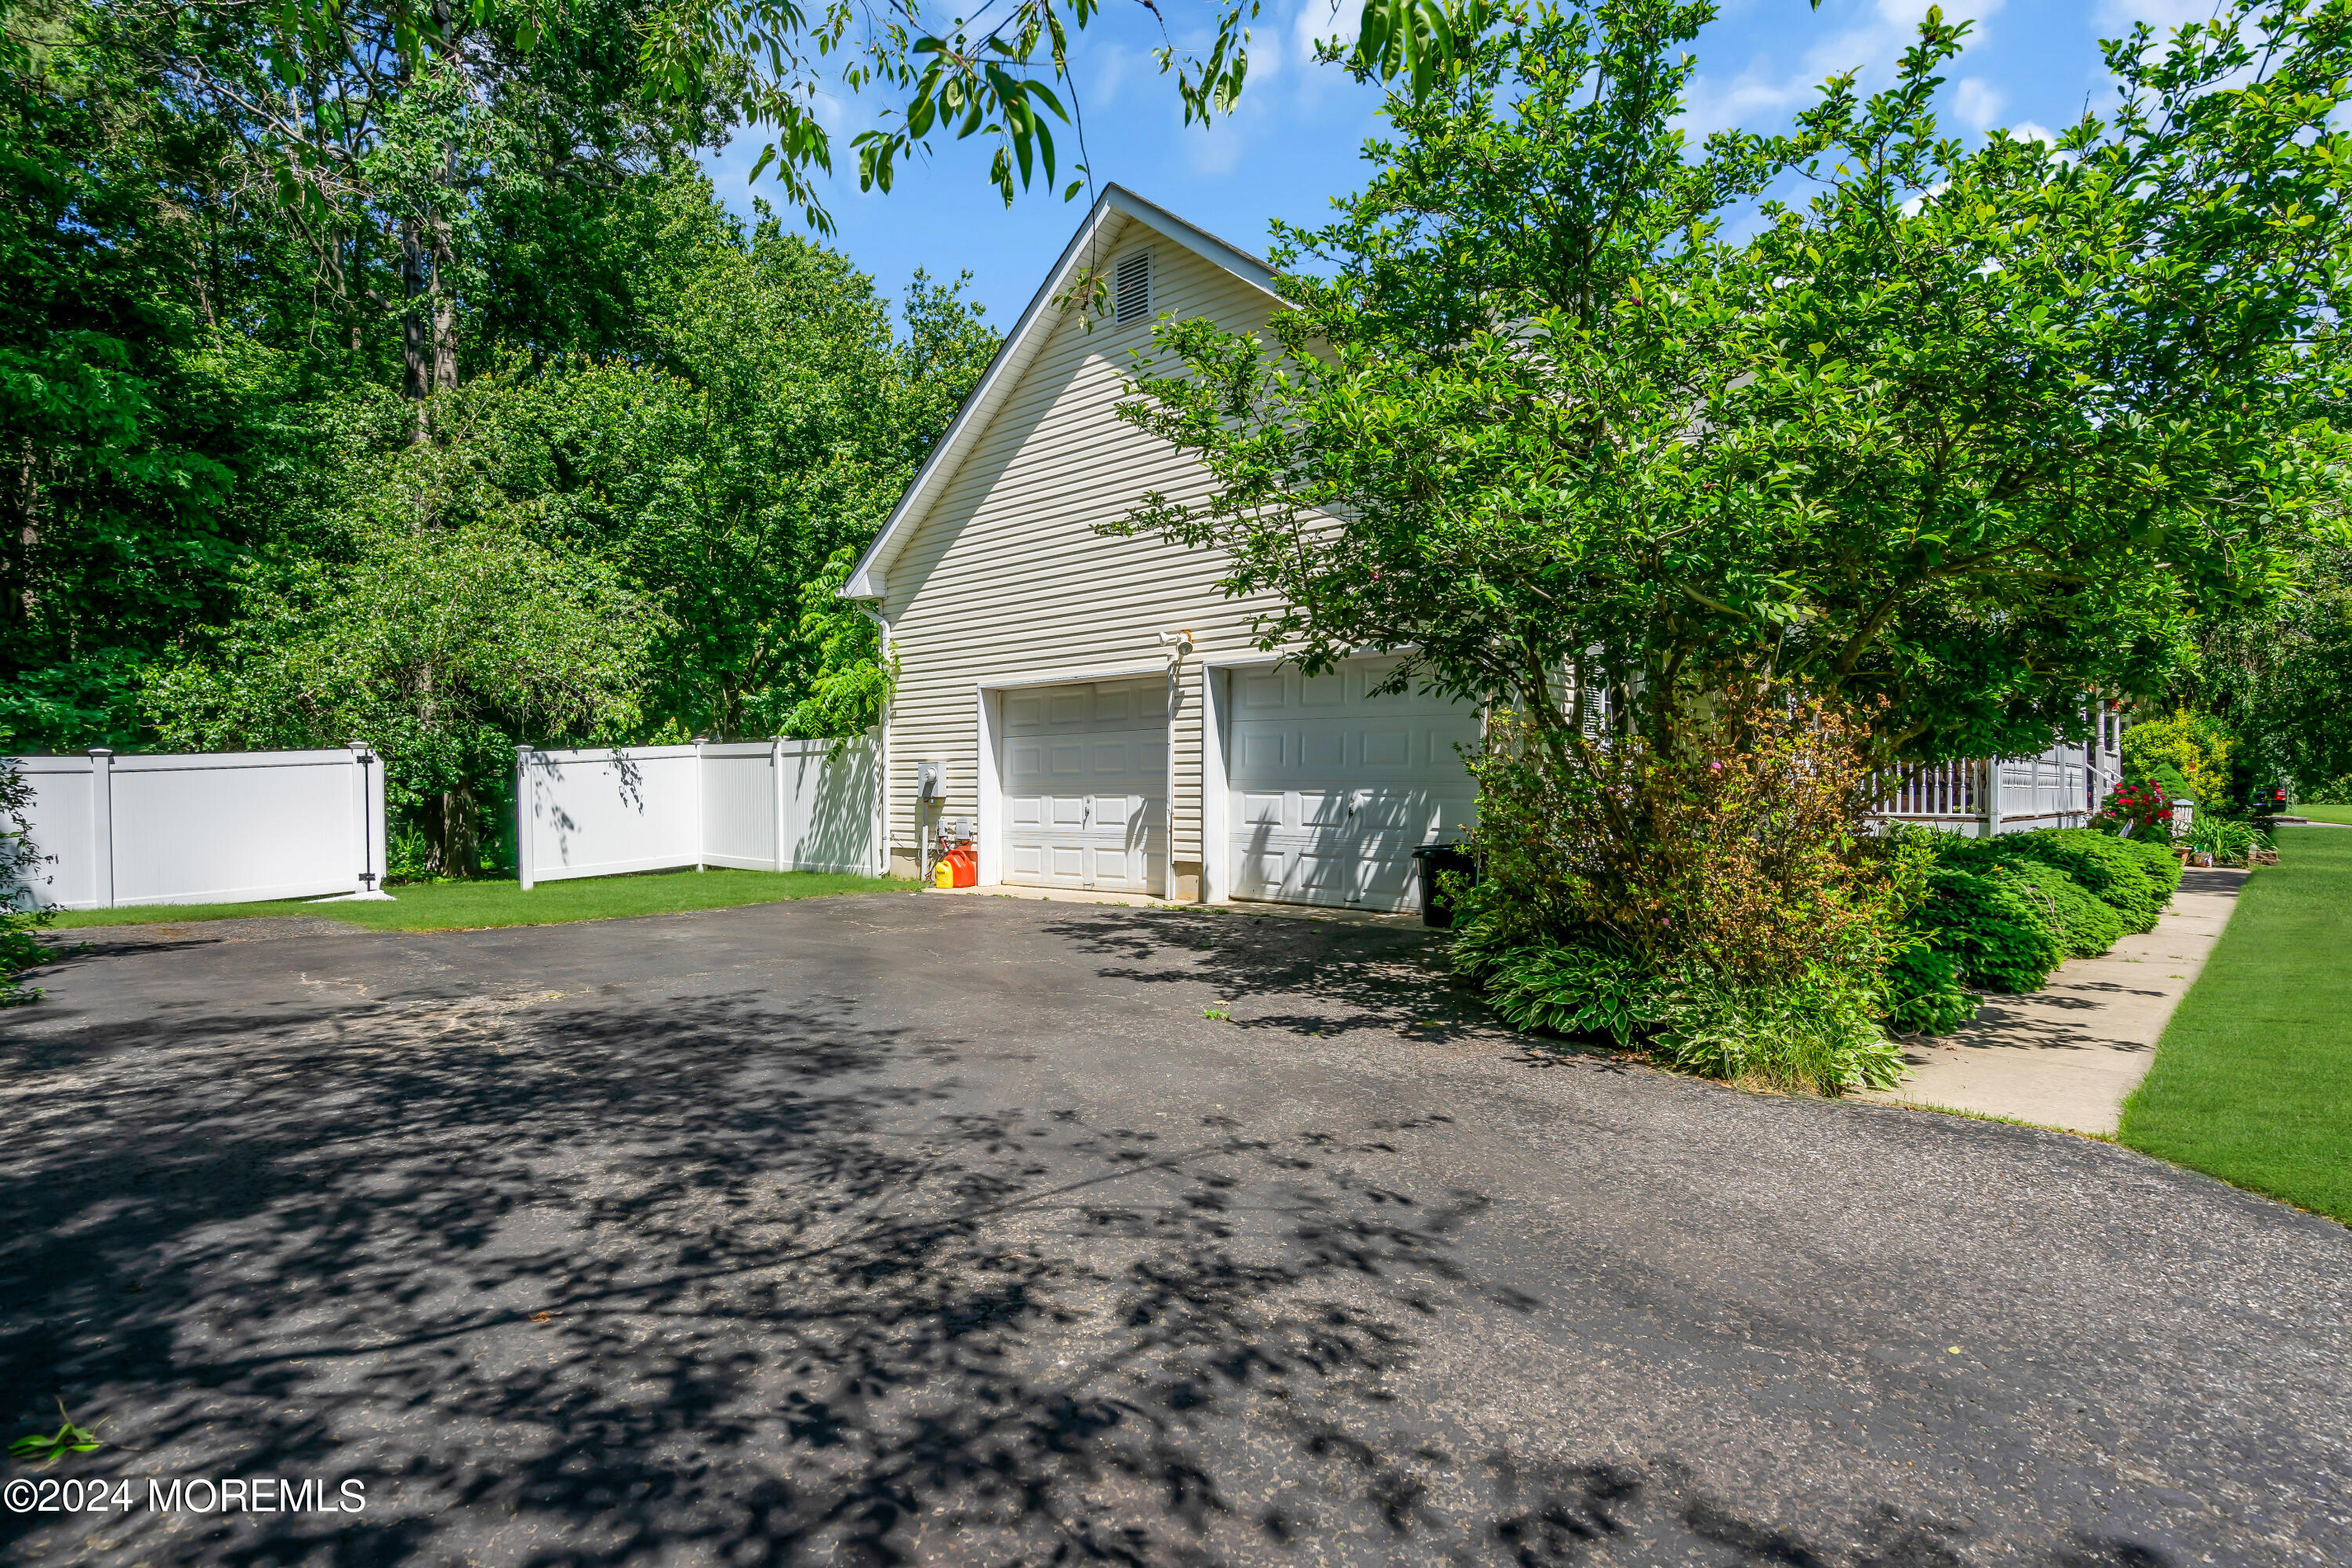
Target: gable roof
{"points": [[1019, 350]]}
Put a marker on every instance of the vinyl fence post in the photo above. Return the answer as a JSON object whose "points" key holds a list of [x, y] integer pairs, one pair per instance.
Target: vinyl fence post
{"points": [[525, 856], [1991, 797], [101, 826], [368, 873], [701, 783], [776, 778], [379, 847]]}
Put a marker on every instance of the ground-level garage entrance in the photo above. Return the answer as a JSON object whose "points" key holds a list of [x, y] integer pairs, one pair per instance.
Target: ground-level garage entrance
{"points": [[1332, 788], [1085, 785]]}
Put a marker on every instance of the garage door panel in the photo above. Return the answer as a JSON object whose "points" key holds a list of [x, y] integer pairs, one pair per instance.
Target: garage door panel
{"points": [[1323, 746], [1268, 692], [1261, 809], [1388, 746], [1389, 882], [1333, 873], [1321, 808], [1258, 875], [1261, 750], [1383, 814]]}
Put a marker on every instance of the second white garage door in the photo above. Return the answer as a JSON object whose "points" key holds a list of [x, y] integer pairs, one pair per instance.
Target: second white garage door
{"points": [[1332, 788], [1085, 785]]}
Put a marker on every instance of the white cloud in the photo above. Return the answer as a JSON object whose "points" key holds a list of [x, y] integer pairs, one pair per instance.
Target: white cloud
{"points": [[2032, 130], [1976, 100], [1908, 14], [1871, 43], [2162, 15]]}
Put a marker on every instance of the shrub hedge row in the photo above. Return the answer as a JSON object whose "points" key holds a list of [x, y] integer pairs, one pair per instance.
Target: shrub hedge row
{"points": [[2002, 914]]}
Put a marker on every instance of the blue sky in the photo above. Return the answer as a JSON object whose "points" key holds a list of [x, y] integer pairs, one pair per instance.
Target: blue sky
{"points": [[1295, 140]]}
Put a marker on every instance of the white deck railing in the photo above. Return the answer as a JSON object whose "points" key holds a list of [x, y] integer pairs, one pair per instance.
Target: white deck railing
{"points": [[2061, 788]]}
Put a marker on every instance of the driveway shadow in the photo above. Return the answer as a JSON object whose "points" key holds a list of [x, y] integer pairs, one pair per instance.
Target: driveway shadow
{"points": [[1289, 974], [572, 1281]]}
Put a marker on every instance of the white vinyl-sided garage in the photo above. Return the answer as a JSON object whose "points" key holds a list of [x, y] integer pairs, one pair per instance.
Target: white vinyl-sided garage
{"points": [[1332, 787], [1105, 715], [1084, 791]]}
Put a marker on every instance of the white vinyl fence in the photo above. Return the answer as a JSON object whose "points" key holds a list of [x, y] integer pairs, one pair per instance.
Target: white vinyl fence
{"points": [[206, 828], [763, 805]]}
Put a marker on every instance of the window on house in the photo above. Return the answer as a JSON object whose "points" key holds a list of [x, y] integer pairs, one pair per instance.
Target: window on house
{"points": [[1131, 287]]}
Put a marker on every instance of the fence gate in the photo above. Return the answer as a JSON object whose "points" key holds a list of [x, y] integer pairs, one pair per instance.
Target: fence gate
{"points": [[225, 827]]}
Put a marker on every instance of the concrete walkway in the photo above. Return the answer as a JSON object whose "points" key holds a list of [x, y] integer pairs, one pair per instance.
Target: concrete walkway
{"points": [[2068, 1055]]}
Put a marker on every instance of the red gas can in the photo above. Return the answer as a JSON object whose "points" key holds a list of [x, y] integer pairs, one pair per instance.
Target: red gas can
{"points": [[958, 867]]}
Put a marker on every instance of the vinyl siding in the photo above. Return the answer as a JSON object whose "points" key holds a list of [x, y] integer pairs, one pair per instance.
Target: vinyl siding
{"points": [[1003, 579]]}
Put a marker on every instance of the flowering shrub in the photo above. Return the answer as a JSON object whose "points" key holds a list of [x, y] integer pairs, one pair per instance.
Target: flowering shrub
{"points": [[1719, 902], [2138, 804]]}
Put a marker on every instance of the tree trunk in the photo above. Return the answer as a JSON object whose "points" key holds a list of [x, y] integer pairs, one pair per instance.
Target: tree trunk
{"points": [[458, 845], [28, 503], [445, 310], [355, 291], [415, 324]]}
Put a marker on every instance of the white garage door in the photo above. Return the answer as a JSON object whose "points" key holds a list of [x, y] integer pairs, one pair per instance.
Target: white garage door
{"points": [[1085, 785], [1333, 788]]}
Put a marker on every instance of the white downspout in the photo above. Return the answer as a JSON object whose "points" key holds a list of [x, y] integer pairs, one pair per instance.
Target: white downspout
{"points": [[1178, 644], [870, 610]]}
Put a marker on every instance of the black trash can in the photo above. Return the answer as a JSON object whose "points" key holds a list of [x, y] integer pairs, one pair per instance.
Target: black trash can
{"points": [[1435, 912]]}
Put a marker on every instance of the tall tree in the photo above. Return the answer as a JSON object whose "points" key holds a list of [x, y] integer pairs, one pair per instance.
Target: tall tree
{"points": [[1960, 438], [403, 145], [1971, 432], [118, 441]]}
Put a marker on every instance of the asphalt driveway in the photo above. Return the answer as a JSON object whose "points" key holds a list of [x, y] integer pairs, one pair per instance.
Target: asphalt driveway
{"points": [[912, 1229]]}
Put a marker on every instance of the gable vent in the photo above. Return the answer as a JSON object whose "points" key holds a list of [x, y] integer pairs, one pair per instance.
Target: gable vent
{"points": [[1131, 287]]}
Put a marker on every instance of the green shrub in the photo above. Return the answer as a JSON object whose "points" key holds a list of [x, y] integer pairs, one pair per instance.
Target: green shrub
{"points": [[20, 863], [2002, 941], [1671, 897], [2176, 785], [2083, 926], [1567, 989], [2225, 839], [2156, 859], [1924, 992], [1817, 1034], [2194, 748], [2134, 879], [2103, 866]]}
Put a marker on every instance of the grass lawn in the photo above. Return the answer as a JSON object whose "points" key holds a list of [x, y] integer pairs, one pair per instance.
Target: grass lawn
{"points": [[462, 906], [2252, 1080], [2322, 813]]}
